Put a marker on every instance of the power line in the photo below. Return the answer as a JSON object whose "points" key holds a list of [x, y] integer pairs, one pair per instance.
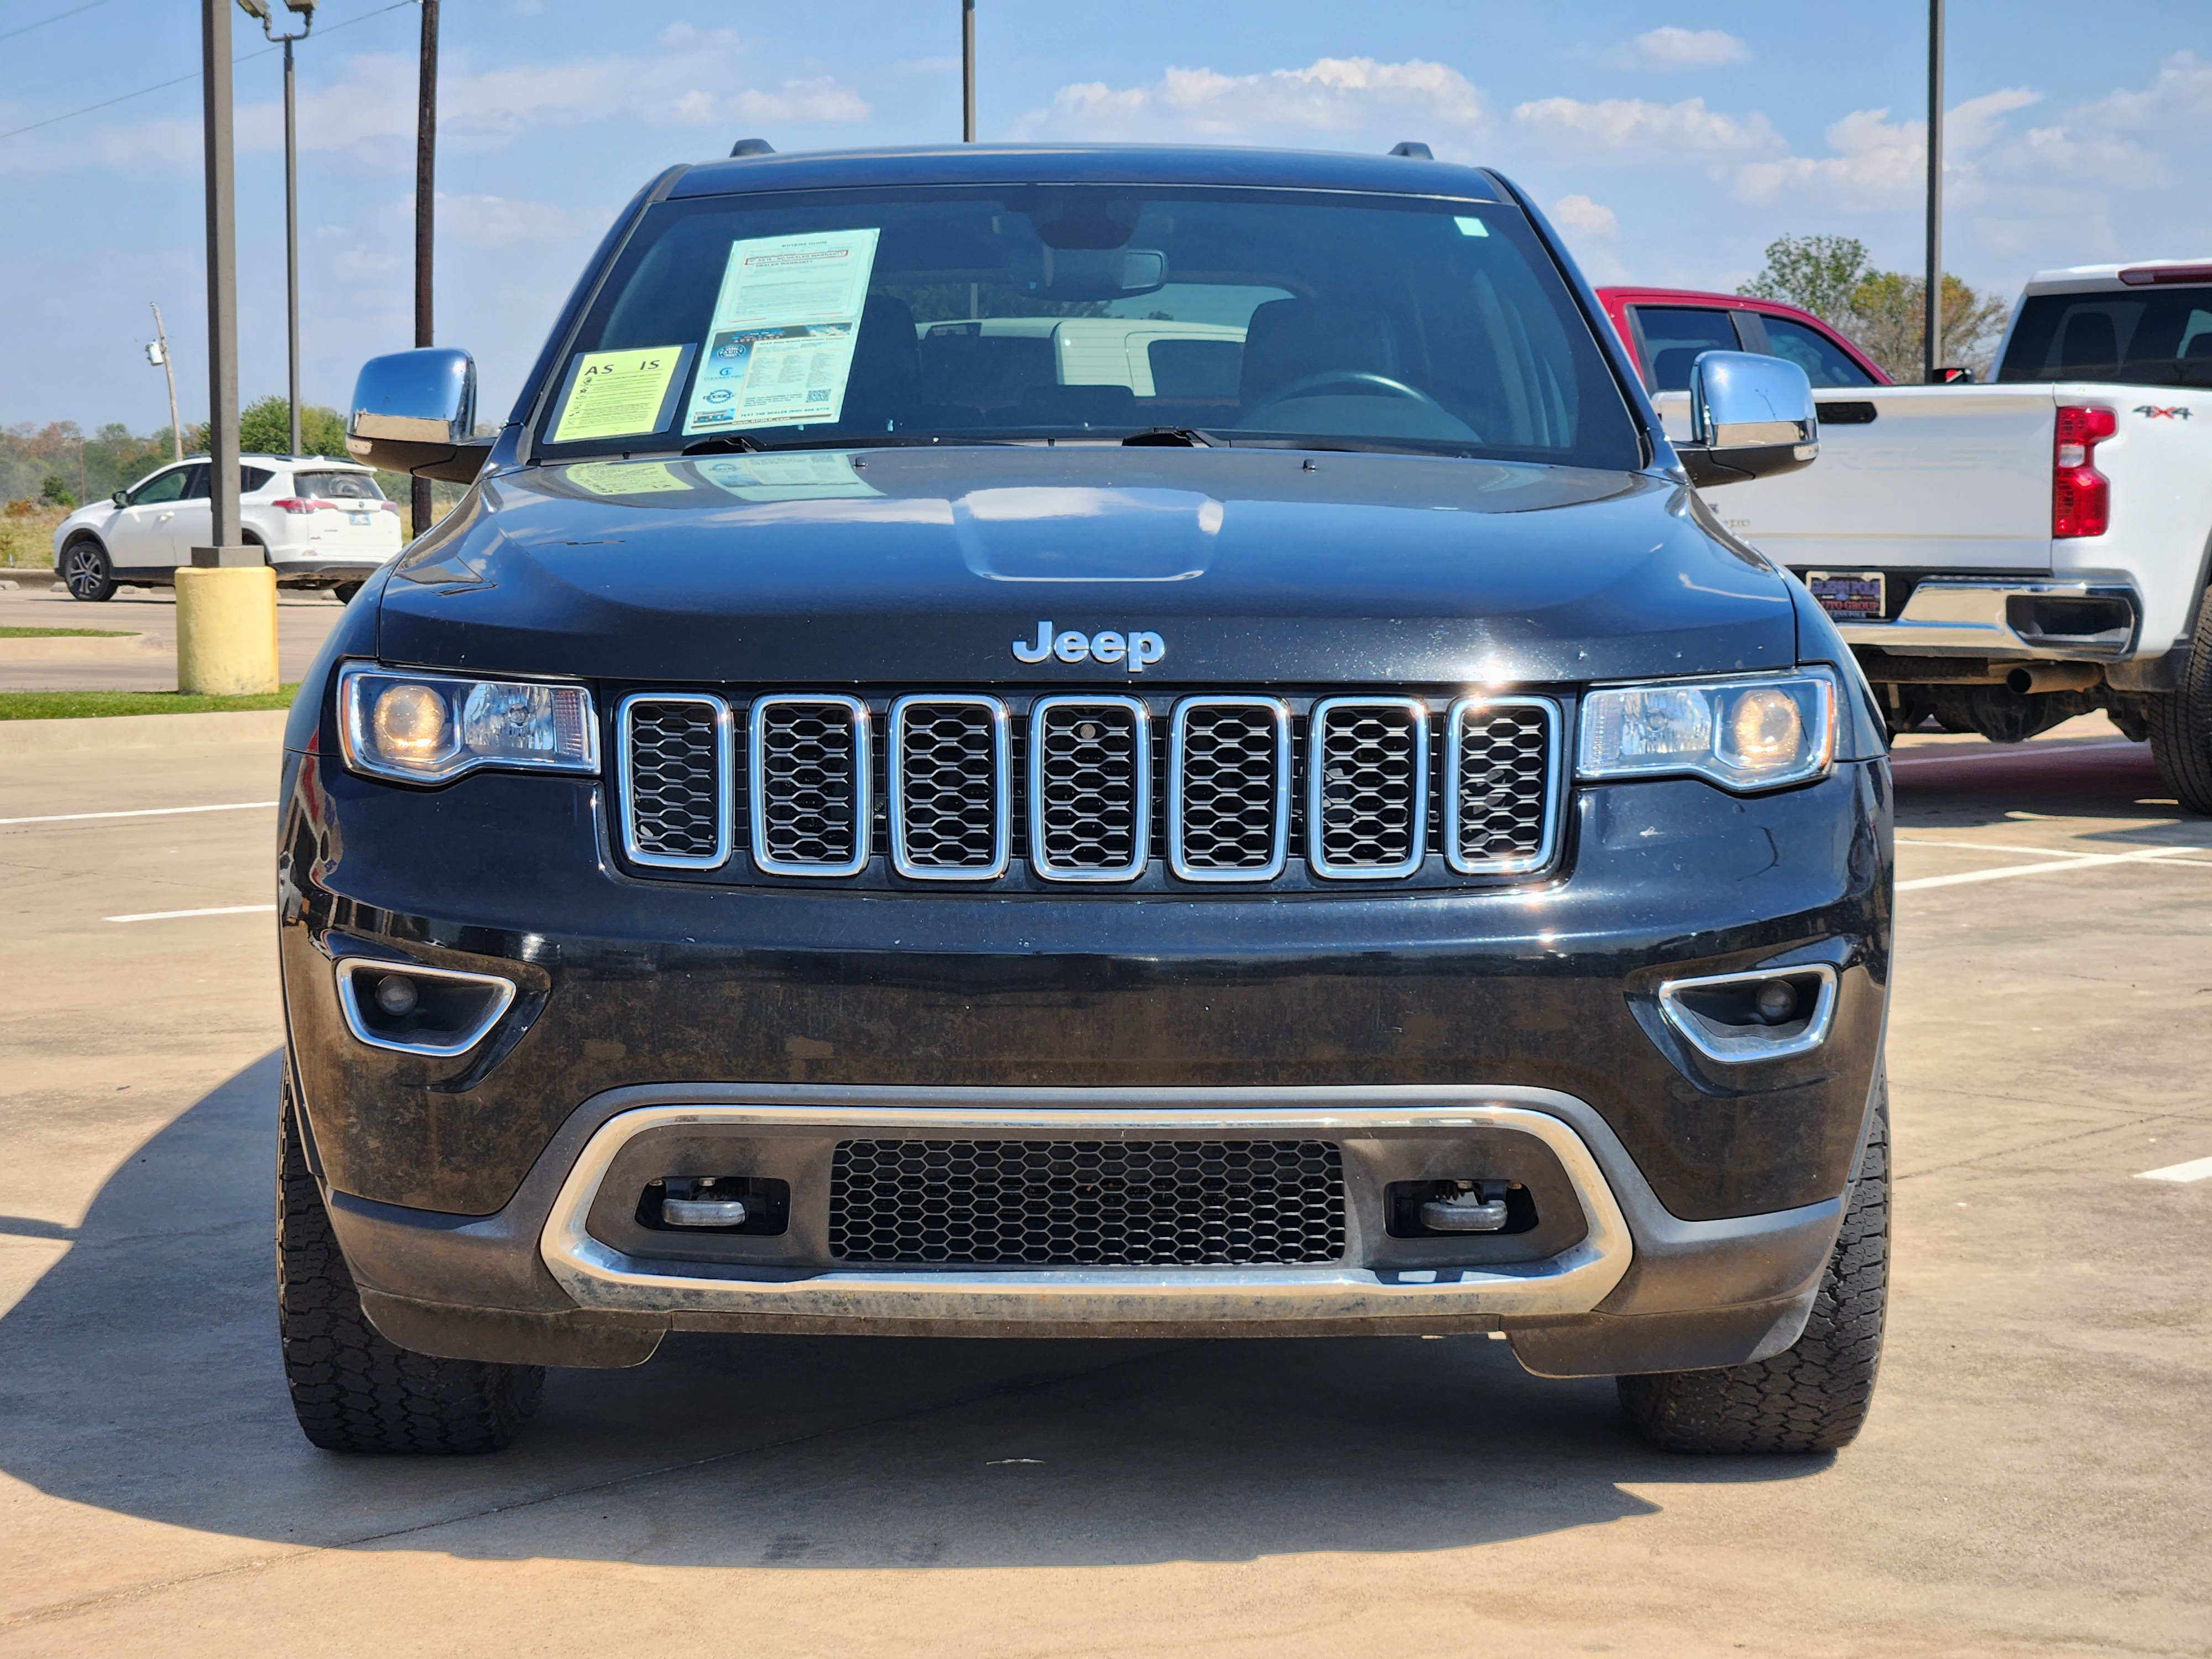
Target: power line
{"points": [[56, 18], [179, 81]]}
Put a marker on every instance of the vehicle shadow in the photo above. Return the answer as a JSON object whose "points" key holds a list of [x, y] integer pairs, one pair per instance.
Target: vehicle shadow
{"points": [[1969, 785], [141, 1377]]}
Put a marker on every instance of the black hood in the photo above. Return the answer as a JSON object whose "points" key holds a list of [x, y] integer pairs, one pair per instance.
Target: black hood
{"points": [[928, 566]]}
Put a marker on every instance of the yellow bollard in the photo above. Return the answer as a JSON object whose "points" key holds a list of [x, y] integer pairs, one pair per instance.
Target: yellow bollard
{"points": [[226, 629]]}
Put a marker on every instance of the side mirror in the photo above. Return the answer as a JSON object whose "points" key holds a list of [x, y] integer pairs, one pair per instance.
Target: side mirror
{"points": [[1751, 416], [121, 499], [416, 412]]}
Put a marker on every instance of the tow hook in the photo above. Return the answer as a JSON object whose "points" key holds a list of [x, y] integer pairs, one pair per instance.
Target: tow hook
{"points": [[1476, 1208]]}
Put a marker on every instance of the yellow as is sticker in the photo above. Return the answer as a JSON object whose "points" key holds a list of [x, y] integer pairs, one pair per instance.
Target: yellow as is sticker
{"points": [[614, 393]]}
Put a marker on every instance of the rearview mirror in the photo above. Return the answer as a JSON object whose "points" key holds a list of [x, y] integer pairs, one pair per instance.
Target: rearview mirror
{"points": [[1751, 416], [1084, 274], [416, 412]]}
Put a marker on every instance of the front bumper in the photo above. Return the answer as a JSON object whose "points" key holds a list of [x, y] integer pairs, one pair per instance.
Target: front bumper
{"points": [[1624, 1285]]}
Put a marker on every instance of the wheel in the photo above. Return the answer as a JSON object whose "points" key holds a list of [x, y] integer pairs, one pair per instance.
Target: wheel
{"points": [[87, 572], [352, 1390], [2181, 723], [1812, 1397], [345, 591]]}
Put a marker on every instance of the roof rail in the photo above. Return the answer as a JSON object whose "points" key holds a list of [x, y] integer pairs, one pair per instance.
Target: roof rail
{"points": [[1413, 148], [752, 147]]}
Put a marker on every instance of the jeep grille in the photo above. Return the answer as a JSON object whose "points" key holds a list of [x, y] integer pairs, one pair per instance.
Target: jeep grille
{"points": [[1157, 792]]}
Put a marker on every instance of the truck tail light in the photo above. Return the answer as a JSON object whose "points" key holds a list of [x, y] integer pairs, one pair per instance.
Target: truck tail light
{"points": [[2081, 496]]}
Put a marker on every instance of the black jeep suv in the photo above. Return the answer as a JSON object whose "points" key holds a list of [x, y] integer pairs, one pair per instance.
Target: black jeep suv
{"points": [[1083, 741]]}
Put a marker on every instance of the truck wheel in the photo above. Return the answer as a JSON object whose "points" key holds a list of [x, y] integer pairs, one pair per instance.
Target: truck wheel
{"points": [[1809, 1398], [2181, 724], [345, 591], [352, 1390]]}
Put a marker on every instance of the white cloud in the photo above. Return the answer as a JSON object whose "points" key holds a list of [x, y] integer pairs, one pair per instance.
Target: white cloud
{"points": [[2179, 99], [499, 221], [1876, 161], [1331, 94], [1673, 48], [1580, 213], [1629, 128]]}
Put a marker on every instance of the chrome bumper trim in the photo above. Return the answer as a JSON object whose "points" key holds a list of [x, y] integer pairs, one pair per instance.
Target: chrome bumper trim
{"points": [[1944, 618], [1572, 1282]]}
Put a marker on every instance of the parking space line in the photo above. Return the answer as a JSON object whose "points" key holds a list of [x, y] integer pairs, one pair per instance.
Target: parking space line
{"points": [[1942, 753], [2198, 1168], [2081, 861], [173, 915], [1995, 847], [143, 812]]}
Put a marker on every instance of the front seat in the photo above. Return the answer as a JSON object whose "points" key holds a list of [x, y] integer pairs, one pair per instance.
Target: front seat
{"points": [[885, 387]]}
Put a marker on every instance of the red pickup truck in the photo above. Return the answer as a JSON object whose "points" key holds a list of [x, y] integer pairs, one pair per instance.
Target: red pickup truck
{"points": [[1666, 328]]}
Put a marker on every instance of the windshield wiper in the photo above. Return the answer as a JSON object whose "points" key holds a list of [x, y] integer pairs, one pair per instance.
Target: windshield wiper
{"points": [[1186, 437], [722, 441]]}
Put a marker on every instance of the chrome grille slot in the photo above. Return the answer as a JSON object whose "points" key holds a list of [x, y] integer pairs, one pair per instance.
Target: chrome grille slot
{"points": [[1502, 763], [808, 784], [949, 790], [1109, 1203], [1090, 789], [1367, 786], [1229, 789], [674, 773]]}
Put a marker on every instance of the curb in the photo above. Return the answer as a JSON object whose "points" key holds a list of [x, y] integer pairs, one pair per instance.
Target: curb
{"points": [[101, 734]]}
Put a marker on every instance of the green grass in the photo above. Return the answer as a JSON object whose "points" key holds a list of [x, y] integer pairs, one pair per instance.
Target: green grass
{"points": [[92, 705], [67, 634]]}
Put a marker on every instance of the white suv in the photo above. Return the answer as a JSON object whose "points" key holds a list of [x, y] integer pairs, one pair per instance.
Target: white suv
{"points": [[319, 524]]}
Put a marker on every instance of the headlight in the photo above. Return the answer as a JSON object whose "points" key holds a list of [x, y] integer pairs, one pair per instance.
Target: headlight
{"points": [[1740, 733], [431, 728]]}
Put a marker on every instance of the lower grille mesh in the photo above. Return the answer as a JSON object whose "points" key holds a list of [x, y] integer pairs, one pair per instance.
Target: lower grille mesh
{"points": [[1113, 1204]]}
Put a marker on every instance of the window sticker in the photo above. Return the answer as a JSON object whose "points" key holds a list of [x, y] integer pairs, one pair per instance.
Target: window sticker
{"points": [[1472, 226], [626, 478], [780, 349], [810, 475], [616, 394]]}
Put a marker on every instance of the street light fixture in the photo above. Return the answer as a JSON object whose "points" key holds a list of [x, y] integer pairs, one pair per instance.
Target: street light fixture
{"points": [[263, 13]]}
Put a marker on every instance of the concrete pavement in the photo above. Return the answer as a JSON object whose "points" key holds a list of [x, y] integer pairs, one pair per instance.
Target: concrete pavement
{"points": [[304, 619], [2032, 1481]]}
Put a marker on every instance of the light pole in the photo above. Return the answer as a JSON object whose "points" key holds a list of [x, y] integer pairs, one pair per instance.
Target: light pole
{"points": [[158, 354], [967, 71], [305, 11], [420, 506], [1931, 309]]}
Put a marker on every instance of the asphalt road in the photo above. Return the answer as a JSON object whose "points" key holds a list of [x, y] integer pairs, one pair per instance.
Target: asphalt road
{"points": [[2032, 1480], [303, 620]]}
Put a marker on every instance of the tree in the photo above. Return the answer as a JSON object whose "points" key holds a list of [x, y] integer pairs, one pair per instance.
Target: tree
{"points": [[1819, 274], [56, 493], [1886, 319], [265, 428]]}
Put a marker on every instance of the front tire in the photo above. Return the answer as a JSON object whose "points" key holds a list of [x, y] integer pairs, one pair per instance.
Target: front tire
{"points": [[2181, 724], [88, 573], [352, 1390], [1812, 1396]]}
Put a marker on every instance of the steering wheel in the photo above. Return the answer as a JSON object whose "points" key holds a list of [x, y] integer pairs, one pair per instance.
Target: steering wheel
{"points": [[1311, 384]]}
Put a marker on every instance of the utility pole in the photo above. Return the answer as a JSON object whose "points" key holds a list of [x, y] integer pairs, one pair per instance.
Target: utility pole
{"points": [[227, 596], [305, 10], [426, 199], [158, 354], [1932, 308], [967, 71]]}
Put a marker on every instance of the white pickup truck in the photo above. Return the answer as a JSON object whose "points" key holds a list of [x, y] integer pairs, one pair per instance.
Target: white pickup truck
{"points": [[2003, 556]]}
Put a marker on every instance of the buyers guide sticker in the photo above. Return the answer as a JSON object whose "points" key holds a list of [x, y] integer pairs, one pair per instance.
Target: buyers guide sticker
{"points": [[780, 349]]}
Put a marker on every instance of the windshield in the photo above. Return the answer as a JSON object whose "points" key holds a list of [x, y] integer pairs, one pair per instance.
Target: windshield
{"points": [[2163, 337], [831, 318]]}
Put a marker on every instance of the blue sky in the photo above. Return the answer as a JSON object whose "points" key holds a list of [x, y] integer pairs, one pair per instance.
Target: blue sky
{"points": [[1671, 142]]}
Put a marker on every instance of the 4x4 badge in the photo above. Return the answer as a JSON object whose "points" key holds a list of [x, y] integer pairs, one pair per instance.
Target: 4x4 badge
{"points": [[2178, 412], [1137, 649]]}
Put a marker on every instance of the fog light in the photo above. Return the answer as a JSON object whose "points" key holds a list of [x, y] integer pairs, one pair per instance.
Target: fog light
{"points": [[396, 995], [1776, 1002]]}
